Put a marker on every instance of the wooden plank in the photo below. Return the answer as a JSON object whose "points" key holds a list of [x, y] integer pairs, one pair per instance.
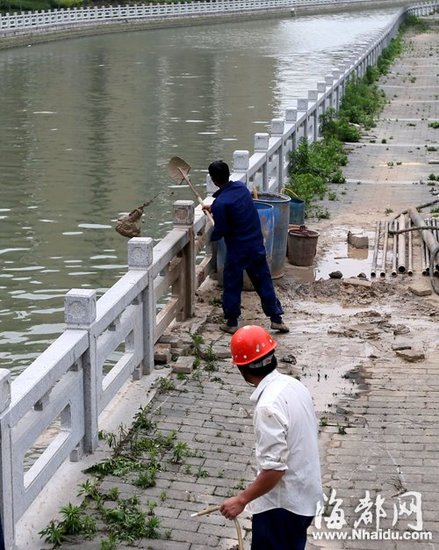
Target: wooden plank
{"points": [[203, 270], [167, 278], [165, 317]]}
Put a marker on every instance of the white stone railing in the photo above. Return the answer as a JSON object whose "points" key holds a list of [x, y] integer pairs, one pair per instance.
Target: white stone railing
{"points": [[55, 19], [46, 21], [267, 167], [73, 381]]}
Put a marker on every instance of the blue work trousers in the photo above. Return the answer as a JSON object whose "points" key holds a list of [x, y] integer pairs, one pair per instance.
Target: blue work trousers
{"points": [[2, 540], [279, 529], [259, 274]]}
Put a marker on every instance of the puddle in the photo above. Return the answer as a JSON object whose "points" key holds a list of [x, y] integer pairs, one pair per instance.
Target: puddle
{"points": [[338, 255], [323, 361], [343, 257]]}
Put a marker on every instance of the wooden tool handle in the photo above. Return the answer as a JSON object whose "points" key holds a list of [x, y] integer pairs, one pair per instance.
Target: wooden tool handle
{"points": [[195, 192], [206, 511]]}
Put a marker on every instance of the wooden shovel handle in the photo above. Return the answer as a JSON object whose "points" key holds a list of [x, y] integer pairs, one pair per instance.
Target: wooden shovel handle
{"points": [[206, 511], [195, 192]]}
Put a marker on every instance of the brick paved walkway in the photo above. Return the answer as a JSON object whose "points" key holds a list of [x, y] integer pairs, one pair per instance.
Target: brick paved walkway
{"points": [[391, 443]]}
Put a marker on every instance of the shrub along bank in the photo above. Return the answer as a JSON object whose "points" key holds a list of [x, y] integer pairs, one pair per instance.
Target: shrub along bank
{"points": [[314, 165]]}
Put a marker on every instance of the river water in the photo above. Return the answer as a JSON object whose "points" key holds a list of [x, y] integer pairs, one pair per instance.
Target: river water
{"points": [[88, 126]]}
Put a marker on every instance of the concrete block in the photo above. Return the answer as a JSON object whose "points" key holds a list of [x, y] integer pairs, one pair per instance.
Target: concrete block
{"points": [[173, 340], [358, 240], [162, 354], [419, 290], [183, 365]]}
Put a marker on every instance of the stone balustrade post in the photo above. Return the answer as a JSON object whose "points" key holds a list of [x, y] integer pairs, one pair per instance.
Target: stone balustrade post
{"points": [[80, 314], [312, 119], [291, 118], [321, 87], [313, 95], [5, 389], [290, 115], [184, 287], [277, 131], [329, 81], [336, 73], [210, 186], [140, 257], [6, 466], [337, 94], [261, 143], [241, 162], [302, 106]]}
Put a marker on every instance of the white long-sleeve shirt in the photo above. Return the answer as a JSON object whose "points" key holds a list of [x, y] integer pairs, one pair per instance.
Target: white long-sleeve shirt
{"points": [[286, 432]]}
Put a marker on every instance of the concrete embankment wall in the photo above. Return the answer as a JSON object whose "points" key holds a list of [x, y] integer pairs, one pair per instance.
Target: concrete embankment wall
{"points": [[34, 34]]}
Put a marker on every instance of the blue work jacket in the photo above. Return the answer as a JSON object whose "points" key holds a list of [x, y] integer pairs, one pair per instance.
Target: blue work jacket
{"points": [[237, 220]]}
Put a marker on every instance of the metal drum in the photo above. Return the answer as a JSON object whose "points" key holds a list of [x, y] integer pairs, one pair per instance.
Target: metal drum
{"points": [[281, 205]]}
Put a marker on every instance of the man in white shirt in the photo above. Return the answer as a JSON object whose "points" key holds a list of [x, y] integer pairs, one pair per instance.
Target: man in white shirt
{"points": [[284, 495]]}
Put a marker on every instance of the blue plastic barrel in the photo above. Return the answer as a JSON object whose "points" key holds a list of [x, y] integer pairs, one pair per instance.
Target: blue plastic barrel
{"points": [[297, 211], [266, 217], [281, 204]]}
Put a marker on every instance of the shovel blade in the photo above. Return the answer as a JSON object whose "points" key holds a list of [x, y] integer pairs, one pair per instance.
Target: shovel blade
{"points": [[178, 169]]}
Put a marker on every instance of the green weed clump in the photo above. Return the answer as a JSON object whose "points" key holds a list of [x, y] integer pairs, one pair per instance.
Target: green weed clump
{"points": [[362, 102], [74, 521], [313, 166], [393, 50], [138, 454], [338, 127]]}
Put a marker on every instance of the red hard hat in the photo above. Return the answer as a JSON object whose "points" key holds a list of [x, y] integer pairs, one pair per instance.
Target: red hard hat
{"points": [[250, 343]]}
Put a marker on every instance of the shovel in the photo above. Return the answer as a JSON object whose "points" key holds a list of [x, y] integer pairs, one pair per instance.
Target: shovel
{"points": [[178, 170]]}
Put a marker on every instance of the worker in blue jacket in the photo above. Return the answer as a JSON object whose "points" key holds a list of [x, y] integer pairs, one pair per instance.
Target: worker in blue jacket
{"points": [[237, 220]]}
